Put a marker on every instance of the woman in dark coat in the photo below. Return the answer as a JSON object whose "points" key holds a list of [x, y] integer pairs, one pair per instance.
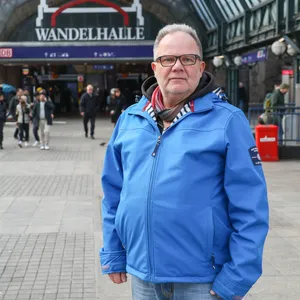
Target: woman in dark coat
{"points": [[116, 105]]}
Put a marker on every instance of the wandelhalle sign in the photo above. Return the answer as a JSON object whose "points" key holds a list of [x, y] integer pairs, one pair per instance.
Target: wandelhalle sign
{"points": [[126, 32]]}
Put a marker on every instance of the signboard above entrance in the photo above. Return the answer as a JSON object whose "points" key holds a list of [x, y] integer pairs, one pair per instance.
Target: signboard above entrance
{"points": [[84, 53], [255, 56], [50, 20]]}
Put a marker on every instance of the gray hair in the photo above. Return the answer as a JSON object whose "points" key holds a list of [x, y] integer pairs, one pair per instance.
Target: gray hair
{"points": [[169, 29]]}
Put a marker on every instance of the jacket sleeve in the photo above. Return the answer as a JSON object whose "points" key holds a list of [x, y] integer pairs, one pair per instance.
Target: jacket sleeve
{"points": [[82, 103], [248, 211], [113, 254]]}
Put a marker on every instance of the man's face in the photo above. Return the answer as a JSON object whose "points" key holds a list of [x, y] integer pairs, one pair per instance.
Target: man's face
{"points": [[118, 93], [20, 93], [178, 79], [1, 98], [284, 91], [42, 98], [90, 90], [26, 93]]}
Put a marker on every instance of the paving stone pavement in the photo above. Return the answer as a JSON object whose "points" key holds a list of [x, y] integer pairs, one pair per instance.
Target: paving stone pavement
{"points": [[50, 227]]}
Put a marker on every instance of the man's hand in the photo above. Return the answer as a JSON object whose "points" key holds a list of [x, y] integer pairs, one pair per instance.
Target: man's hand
{"points": [[214, 294], [52, 116], [118, 277], [82, 114]]}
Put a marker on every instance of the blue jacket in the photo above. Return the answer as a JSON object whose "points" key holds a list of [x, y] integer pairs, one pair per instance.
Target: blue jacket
{"points": [[186, 206]]}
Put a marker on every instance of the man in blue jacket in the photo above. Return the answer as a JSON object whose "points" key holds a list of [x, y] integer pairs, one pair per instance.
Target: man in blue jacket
{"points": [[185, 208]]}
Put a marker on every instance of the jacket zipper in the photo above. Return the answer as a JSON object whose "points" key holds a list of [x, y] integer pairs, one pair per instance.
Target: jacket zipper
{"points": [[156, 146], [213, 259], [149, 211]]}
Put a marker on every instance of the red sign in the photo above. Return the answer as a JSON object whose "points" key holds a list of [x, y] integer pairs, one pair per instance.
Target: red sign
{"points": [[80, 78], [287, 72], [6, 52]]}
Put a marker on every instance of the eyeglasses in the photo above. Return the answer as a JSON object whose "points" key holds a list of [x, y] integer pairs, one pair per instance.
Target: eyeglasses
{"points": [[185, 59]]}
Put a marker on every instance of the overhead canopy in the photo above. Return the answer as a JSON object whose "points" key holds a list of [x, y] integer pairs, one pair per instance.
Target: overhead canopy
{"points": [[223, 25]]}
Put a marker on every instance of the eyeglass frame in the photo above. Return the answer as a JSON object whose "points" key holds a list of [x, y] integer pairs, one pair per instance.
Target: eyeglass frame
{"points": [[158, 59]]}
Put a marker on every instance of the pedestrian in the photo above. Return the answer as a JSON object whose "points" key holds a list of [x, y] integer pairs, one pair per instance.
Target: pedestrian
{"points": [[14, 101], [243, 98], [278, 108], [117, 105], [27, 94], [3, 110], [89, 105], [43, 113], [185, 208], [35, 121], [23, 120]]}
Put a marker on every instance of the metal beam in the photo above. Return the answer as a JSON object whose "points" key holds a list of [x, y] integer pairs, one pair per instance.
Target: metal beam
{"points": [[290, 11], [279, 16], [215, 11]]}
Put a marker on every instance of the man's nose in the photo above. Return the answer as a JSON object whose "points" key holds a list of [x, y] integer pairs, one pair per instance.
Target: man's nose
{"points": [[178, 65]]}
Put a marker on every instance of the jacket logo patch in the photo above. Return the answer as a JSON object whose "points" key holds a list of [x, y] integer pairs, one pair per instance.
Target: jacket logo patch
{"points": [[253, 151]]}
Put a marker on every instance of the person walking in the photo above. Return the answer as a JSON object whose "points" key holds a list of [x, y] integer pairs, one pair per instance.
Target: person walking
{"points": [[185, 208], [278, 108], [117, 105], [3, 110], [35, 121], [23, 120], [14, 101], [89, 105], [43, 113]]}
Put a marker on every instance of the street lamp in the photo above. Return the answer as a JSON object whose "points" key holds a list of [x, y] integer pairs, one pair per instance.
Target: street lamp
{"points": [[237, 61], [218, 61], [278, 47], [291, 50]]}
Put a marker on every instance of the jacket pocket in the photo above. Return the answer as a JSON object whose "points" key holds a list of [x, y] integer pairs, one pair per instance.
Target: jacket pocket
{"points": [[118, 227], [210, 235]]}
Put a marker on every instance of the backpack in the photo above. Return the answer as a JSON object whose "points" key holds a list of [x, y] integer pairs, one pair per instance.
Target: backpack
{"points": [[268, 102]]}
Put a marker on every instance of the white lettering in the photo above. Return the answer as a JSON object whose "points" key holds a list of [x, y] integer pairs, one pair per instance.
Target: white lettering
{"points": [[121, 34], [74, 31], [42, 33], [129, 37], [62, 34], [267, 139], [113, 35], [102, 34], [52, 35], [140, 33], [83, 34], [91, 38], [89, 34]]}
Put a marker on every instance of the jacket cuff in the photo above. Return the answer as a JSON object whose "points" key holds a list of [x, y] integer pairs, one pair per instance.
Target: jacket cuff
{"points": [[227, 289], [113, 261]]}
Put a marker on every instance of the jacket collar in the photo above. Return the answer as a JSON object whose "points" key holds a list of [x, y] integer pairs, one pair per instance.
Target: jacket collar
{"points": [[204, 103]]}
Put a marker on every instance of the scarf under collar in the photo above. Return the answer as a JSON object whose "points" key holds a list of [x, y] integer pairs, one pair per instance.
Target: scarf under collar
{"points": [[166, 114]]}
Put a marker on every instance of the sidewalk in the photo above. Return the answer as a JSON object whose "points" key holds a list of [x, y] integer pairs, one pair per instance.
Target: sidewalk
{"points": [[50, 229]]}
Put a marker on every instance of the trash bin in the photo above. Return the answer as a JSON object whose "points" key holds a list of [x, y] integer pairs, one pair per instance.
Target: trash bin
{"points": [[267, 142]]}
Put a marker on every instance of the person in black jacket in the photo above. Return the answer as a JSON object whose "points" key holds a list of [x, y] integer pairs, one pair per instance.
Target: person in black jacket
{"points": [[117, 105], [89, 105], [3, 110]]}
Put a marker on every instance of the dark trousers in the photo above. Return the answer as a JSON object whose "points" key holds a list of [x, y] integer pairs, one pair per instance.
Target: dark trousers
{"points": [[16, 133], [86, 119], [1, 131], [24, 128], [36, 131]]}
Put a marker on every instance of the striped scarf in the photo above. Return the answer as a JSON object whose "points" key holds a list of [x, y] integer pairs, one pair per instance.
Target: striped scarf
{"points": [[166, 114]]}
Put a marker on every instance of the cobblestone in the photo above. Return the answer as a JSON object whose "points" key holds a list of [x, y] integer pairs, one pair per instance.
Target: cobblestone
{"points": [[50, 227]]}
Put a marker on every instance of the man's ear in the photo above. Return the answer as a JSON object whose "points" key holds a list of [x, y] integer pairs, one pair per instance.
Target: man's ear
{"points": [[202, 67], [153, 66]]}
